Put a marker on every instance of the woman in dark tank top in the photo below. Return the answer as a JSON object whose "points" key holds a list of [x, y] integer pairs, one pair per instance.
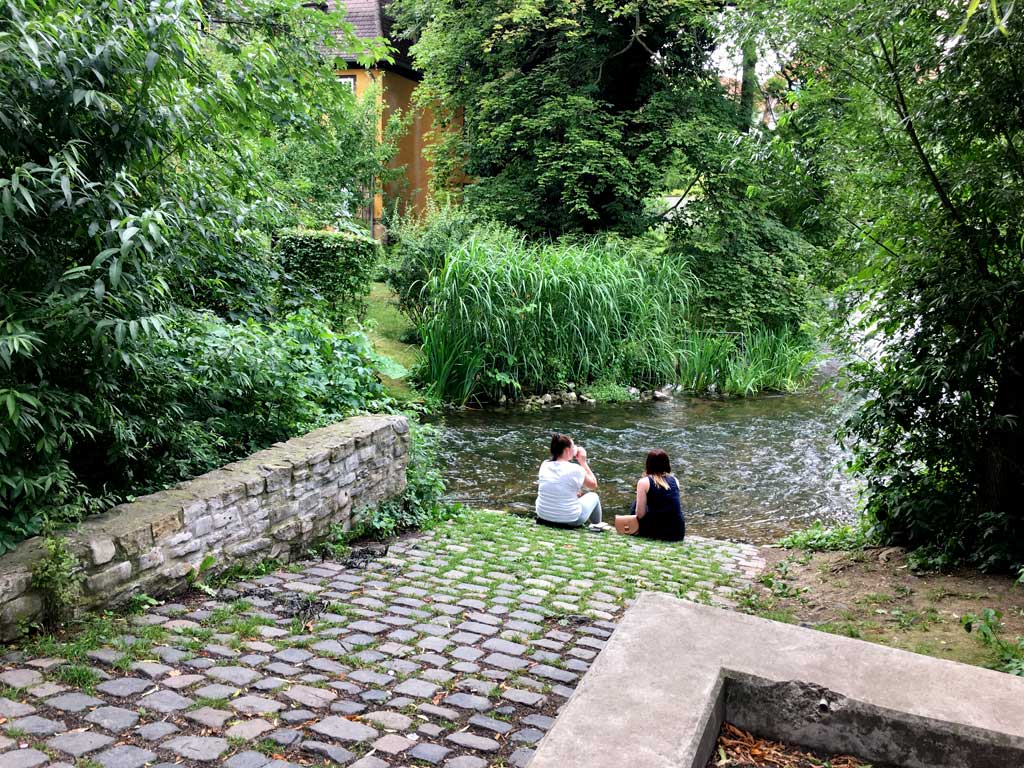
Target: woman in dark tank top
{"points": [[658, 507]]}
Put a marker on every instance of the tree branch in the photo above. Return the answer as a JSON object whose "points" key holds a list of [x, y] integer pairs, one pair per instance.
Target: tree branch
{"points": [[900, 103]]}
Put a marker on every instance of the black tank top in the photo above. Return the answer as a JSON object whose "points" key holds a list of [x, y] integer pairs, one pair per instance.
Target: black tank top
{"points": [[664, 516]]}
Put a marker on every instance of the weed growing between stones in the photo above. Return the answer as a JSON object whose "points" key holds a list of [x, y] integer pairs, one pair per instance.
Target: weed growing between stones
{"points": [[78, 675], [58, 579]]}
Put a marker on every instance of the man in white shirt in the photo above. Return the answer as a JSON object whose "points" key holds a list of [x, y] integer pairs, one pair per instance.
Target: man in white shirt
{"points": [[560, 496]]}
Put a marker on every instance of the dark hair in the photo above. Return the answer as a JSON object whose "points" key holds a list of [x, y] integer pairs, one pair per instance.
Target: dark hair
{"points": [[559, 443], [657, 463]]}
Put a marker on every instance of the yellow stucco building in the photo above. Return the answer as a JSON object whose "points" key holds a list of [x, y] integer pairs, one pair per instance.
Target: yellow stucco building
{"points": [[397, 82]]}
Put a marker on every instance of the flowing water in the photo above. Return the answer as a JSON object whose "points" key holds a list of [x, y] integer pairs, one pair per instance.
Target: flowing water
{"points": [[750, 469]]}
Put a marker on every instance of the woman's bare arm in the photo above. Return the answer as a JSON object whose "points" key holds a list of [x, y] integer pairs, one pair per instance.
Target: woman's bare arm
{"points": [[642, 486], [589, 478]]}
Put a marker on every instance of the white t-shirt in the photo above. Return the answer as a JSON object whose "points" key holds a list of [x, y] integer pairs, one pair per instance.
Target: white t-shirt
{"points": [[557, 485]]}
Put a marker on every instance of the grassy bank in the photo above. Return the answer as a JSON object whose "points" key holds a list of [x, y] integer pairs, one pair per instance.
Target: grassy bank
{"points": [[503, 317], [389, 331]]}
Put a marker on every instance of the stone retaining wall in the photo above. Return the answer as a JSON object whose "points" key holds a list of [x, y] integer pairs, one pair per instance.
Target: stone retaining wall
{"points": [[273, 504]]}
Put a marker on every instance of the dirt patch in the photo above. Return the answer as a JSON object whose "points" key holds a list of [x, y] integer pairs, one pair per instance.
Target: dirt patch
{"points": [[874, 595]]}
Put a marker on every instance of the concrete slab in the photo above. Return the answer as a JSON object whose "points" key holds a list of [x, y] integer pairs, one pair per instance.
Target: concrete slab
{"points": [[656, 694]]}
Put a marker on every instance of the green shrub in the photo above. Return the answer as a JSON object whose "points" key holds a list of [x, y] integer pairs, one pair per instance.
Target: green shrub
{"points": [[57, 577], [505, 316], [334, 269], [752, 271], [206, 392], [420, 249], [422, 504], [836, 538], [608, 392]]}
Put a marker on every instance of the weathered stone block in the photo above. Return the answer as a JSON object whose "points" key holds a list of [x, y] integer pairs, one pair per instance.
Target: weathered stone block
{"points": [[166, 525], [102, 550], [276, 476], [177, 570], [193, 511], [150, 559], [108, 579], [16, 610], [135, 541]]}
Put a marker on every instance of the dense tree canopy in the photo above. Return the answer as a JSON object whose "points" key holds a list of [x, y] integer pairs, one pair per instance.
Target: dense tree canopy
{"points": [[562, 112], [914, 118]]}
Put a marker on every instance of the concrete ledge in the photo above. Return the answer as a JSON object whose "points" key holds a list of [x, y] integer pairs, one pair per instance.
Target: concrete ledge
{"points": [[657, 693]]}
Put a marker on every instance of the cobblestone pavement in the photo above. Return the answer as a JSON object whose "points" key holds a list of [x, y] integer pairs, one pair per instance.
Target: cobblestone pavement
{"points": [[456, 649]]}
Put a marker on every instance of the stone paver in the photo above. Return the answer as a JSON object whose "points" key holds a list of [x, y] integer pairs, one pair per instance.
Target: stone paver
{"points": [[125, 756], [205, 749], [113, 719], [340, 729], [455, 650], [23, 758], [78, 744]]}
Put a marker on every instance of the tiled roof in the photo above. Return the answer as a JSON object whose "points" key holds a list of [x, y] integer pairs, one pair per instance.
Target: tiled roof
{"points": [[370, 19], [364, 15]]}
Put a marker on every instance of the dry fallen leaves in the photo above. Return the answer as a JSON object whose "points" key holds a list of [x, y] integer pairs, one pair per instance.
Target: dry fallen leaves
{"points": [[739, 748]]}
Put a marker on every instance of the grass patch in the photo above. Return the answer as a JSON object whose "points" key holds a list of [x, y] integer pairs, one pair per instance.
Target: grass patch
{"points": [[392, 334], [77, 675], [821, 538]]}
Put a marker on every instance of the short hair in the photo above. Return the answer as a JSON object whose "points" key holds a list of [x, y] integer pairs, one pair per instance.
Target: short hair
{"points": [[559, 443], [657, 463]]}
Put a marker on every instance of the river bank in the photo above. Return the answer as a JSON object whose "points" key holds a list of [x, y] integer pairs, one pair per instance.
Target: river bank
{"points": [[874, 595]]}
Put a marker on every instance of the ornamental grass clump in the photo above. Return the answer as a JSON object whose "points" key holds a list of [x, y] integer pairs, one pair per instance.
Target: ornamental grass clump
{"points": [[507, 317]]}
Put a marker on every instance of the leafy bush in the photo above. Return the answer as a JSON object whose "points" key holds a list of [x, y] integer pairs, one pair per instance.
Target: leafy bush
{"points": [[334, 269], [420, 249], [205, 392], [836, 538], [217, 391], [505, 316], [751, 270], [422, 504], [608, 392], [58, 579]]}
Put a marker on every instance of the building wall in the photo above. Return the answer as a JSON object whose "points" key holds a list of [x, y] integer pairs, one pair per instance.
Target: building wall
{"points": [[412, 190]]}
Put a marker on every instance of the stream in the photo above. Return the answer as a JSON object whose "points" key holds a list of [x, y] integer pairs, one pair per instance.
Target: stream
{"points": [[750, 469]]}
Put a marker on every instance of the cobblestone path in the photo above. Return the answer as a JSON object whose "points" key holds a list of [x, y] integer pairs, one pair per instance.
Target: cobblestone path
{"points": [[457, 649]]}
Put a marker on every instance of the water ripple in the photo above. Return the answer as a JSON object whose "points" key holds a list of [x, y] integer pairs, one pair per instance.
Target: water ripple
{"points": [[750, 469]]}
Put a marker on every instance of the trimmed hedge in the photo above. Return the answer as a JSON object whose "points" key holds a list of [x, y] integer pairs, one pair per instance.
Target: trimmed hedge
{"points": [[336, 268]]}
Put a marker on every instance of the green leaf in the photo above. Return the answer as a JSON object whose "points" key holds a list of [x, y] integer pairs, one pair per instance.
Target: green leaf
{"points": [[151, 59]]}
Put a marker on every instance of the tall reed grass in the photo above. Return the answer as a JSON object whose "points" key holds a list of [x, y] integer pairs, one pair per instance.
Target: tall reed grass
{"points": [[505, 316], [744, 363]]}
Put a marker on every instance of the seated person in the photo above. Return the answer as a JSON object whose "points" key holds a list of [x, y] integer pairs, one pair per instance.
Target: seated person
{"points": [[561, 500], [657, 507]]}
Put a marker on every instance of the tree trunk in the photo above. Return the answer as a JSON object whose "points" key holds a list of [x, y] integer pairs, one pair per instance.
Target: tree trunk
{"points": [[748, 85]]}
